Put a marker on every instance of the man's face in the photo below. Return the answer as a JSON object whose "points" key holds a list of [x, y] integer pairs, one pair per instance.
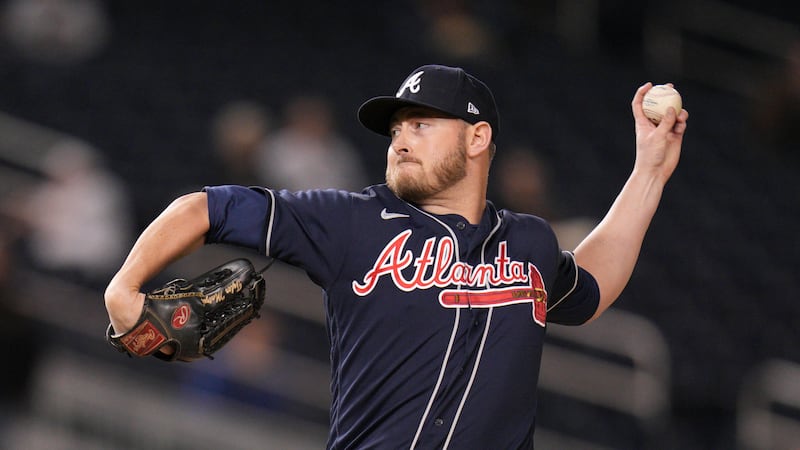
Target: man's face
{"points": [[427, 154]]}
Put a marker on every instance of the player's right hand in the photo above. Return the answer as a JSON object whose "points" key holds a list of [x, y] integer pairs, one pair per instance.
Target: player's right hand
{"points": [[657, 147]]}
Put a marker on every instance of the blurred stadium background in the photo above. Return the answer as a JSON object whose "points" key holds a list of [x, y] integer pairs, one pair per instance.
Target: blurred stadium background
{"points": [[701, 351]]}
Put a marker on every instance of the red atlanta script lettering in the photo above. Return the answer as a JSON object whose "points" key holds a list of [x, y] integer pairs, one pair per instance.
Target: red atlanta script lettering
{"points": [[434, 267]]}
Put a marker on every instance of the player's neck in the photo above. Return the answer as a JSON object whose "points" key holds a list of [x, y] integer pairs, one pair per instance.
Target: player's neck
{"points": [[466, 198]]}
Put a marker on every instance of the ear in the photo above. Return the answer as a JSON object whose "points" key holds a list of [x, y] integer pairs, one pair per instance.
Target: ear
{"points": [[480, 139]]}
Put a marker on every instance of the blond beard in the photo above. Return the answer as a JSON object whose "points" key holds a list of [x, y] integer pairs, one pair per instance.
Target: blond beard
{"points": [[446, 173]]}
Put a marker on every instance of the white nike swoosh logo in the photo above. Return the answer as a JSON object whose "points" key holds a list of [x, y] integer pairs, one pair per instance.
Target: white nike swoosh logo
{"points": [[385, 215]]}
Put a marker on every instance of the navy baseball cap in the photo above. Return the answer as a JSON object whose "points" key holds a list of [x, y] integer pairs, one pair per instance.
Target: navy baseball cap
{"points": [[450, 90]]}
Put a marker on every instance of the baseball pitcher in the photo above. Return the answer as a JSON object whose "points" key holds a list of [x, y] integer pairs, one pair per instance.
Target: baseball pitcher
{"points": [[437, 302]]}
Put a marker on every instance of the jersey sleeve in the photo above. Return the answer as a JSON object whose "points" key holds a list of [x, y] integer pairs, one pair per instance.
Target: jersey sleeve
{"points": [[574, 297], [307, 229]]}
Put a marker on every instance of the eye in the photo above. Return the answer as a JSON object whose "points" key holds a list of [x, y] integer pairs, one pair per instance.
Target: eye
{"points": [[421, 125]]}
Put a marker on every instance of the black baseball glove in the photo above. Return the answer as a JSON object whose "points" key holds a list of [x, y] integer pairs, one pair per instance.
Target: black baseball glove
{"points": [[195, 317]]}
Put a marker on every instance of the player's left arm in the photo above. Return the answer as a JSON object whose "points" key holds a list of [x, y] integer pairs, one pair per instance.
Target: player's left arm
{"points": [[611, 250]]}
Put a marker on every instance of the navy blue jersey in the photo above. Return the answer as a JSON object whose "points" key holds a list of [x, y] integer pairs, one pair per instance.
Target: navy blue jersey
{"points": [[436, 326]]}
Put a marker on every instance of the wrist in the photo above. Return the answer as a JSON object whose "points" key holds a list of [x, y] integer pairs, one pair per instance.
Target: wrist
{"points": [[650, 177], [124, 306]]}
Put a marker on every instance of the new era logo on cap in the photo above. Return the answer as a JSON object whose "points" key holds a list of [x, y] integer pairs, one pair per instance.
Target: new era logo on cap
{"points": [[447, 89]]}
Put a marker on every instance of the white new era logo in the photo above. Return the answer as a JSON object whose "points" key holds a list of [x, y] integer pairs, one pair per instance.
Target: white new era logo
{"points": [[472, 109]]}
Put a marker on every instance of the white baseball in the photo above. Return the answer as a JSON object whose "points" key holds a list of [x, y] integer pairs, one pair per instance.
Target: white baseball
{"points": [[658, 100]]}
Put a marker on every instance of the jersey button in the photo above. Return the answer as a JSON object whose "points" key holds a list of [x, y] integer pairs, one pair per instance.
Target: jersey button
{"points": [[461, 225], [438, 422]]}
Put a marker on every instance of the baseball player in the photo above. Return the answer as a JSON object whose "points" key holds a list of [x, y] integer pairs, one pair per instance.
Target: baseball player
{"points": [[437, 302]]}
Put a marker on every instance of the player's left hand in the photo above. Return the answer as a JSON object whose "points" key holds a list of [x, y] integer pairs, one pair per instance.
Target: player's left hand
{"points": [[658, 147], [189, 319]]}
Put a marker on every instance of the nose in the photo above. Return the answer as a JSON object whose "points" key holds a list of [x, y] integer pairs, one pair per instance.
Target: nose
{"points": [[399, 142]]}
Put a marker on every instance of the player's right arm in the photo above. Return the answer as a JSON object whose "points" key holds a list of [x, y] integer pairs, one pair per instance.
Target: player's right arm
{"points": [[180, 229], [611, 250]]}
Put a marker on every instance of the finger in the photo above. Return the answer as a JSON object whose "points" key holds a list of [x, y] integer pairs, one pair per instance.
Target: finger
{"points": [[679, 128], [669, 119], [680, 122], [683, 116], [638, 99]]}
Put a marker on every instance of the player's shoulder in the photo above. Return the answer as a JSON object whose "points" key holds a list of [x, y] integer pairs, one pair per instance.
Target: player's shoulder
{"points": [[523, 219], [530, 227], [378, 194], [375, 191], [525, 223]]}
